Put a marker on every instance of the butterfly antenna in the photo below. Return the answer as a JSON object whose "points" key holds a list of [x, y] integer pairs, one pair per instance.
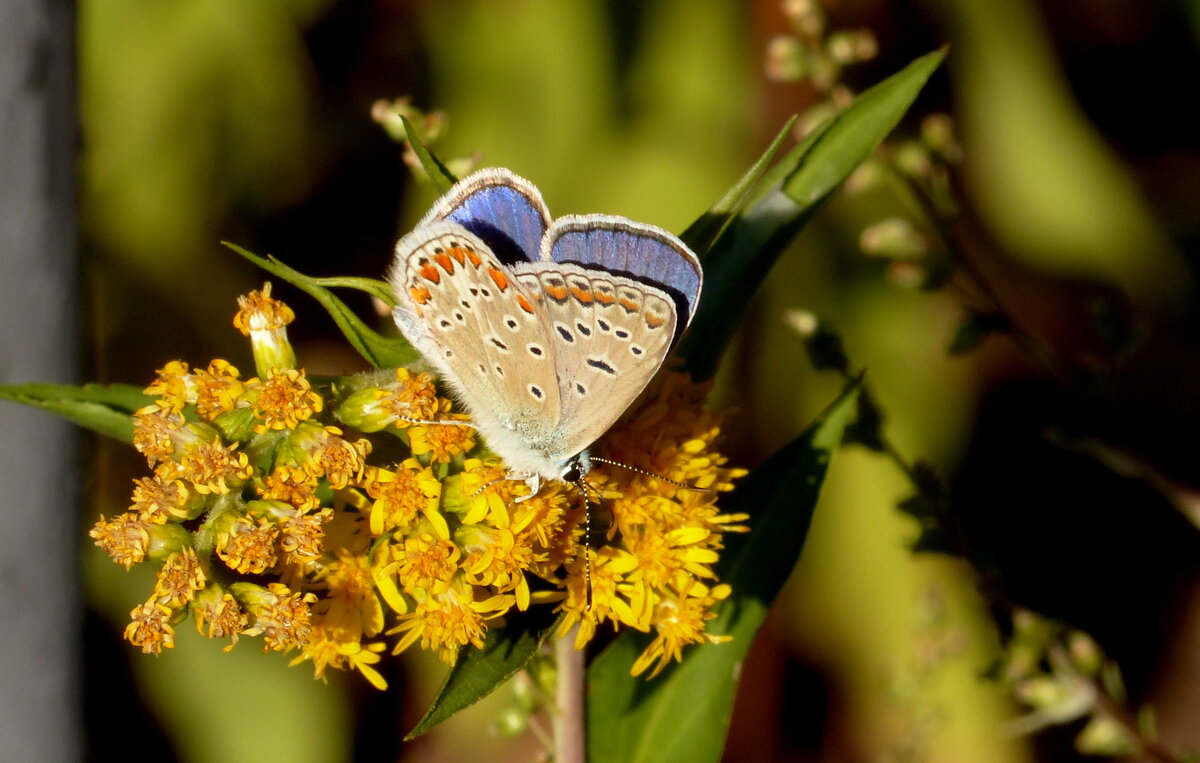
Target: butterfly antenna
{"points": [[639, 470], [442, 423], [588, 491]]}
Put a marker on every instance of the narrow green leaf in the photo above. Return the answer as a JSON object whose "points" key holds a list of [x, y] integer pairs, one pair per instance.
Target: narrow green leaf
{"points": [[376, 288], [683, 715], [442, 178], [103, 409], [701, 234], [854, 133], [376, 349], [478, 672], [790, 193]]}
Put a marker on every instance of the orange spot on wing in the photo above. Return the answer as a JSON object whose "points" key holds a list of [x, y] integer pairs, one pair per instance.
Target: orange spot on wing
{"points": [[629, 305], [474, 258], [557, 293], [498, 277], [420, 294], [458, 253], [654, 320], [444, 260], [430, 273], [583, 295], [604, 299], [524, 303]]}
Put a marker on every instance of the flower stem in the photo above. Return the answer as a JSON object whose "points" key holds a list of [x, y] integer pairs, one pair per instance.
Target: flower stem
{"points": [[569, 686]]}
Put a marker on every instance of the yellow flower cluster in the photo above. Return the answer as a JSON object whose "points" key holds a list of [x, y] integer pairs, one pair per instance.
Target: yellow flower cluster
{"points": [[269, 520]]}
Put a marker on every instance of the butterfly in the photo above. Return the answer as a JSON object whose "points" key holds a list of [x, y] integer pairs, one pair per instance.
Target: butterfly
{"points": [[545, 330]]}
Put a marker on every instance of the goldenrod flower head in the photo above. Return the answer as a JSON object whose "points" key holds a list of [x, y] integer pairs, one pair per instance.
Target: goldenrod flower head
{"points": [[283, 400], [217, 608], [150, 627], [179, 578], [218, 389], [442, 443], [264, 320], [408, 397], [322, 544]]}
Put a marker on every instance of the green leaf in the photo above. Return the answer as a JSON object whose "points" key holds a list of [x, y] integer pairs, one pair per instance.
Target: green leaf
{"points": [[683, 715], [104, 409], [442, 178], [478, 672], [701, 234], [378, 350], [378, 289], [792, 191]]}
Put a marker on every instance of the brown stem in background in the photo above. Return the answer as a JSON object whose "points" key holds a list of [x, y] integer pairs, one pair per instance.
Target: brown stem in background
{"points": [[569, 744]]}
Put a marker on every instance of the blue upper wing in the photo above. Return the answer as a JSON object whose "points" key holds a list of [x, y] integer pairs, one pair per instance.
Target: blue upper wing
{"points": [[642, 252], [504, 210]]}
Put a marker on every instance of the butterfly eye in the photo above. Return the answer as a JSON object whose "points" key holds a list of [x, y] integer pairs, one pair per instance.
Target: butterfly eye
{"points": [[572, 474]]}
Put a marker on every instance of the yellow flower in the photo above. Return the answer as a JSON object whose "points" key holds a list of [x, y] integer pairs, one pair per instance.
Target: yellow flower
{"points": [[179, 578], [495, 560], [160, 498], [125, 538], [449, 620], [412, 397], [218, 389], [248, 546], [327, 648], [151, 628], [679, 621], [425, 563], [220, 610], [442, 443], [264, 320], [129, 539], [214, 467], [402, 496], [350, 606], [326, 454], [277, 613], [293, 485], [174, 387], [284, 400], [301, 537]]}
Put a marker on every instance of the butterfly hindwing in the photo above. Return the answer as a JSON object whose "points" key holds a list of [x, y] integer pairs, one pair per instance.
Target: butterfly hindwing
{"points": [[468, 316], [609, 336]]}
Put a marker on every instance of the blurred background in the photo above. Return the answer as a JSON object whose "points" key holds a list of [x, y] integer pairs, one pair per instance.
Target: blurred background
{"points": [[211, 120]]}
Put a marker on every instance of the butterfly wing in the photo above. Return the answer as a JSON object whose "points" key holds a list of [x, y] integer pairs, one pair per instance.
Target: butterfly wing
{"points": [[644, 253], [609, 335], [505, 211], [485, 333]]}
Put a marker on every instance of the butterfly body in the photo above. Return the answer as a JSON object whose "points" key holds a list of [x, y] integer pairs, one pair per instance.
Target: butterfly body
{"points": [[545, 330]]}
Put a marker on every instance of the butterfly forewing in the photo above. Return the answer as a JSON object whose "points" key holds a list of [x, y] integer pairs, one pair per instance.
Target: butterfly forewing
{"points": [[468, 316], [505, 211]]}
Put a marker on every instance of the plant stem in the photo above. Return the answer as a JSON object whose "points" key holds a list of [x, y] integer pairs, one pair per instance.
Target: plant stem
{"points": [[569, 686]]}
